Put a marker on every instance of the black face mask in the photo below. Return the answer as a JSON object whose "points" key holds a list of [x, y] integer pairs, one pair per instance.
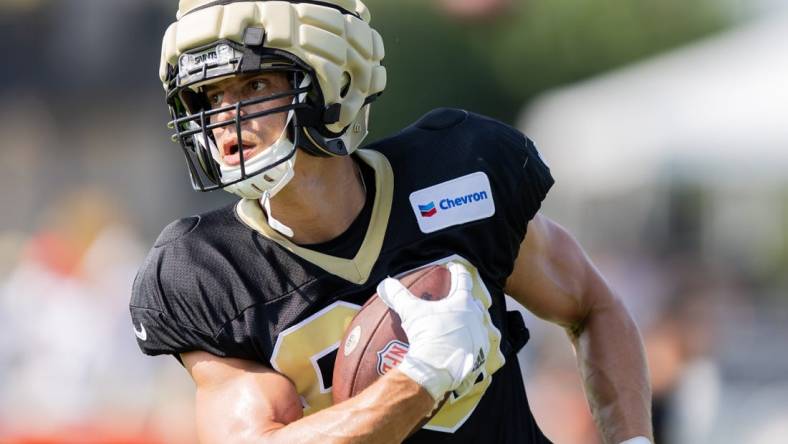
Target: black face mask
{"points": [[194, 120]]}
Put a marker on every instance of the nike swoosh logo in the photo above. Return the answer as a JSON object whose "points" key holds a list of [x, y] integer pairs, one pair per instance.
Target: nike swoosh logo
{"points": [[141, 333]]}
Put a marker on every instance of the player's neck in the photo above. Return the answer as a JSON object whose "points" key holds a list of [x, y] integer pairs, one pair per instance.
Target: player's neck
{"points": [[321, 201]]}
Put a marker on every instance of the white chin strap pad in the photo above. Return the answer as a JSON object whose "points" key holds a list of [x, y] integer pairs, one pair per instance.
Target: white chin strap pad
{"points": [[271, 181]]}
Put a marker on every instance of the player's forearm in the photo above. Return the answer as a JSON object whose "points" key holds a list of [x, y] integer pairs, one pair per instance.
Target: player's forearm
{"points": [[613, 367], [385, 412]]}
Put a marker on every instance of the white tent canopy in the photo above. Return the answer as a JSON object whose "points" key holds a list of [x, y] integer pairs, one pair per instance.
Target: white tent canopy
{"points": [[716, 110]]}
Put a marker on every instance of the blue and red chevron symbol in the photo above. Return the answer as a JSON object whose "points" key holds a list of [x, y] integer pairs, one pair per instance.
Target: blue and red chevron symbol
{"points": [[428, 210]]}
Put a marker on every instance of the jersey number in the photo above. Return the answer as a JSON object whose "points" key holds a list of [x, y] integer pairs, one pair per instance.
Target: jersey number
{"points": [[299, 352]]}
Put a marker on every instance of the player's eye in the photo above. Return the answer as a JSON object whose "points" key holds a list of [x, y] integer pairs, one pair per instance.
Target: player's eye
{"points": [[257, 85], [215, 98]]}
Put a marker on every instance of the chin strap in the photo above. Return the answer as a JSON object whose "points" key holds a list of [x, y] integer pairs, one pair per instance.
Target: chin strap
{"points": [[272, 222]]}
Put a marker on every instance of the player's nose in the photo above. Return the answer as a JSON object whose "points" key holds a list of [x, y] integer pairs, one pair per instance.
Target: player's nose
{"points": [[230, 106]]}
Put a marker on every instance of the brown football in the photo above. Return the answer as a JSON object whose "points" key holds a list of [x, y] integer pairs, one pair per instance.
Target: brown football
{"points": [[374, 342]]}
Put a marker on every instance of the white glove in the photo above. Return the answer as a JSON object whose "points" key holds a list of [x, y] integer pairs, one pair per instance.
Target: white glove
{"points": [[449, 342], [637, 440]]}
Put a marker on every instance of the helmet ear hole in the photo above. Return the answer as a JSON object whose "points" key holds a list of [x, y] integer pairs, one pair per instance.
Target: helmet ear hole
{"points": [[346, 82]]}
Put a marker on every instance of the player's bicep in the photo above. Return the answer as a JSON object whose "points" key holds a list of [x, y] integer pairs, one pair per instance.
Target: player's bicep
{"points": [[551, 274], [238, 400]]}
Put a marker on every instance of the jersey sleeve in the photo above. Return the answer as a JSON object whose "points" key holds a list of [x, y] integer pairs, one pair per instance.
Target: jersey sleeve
{"points": [[517, 170], [168, 302], [513, 164], [520, 180], [534, 183], [461, 144], [158, 331]]}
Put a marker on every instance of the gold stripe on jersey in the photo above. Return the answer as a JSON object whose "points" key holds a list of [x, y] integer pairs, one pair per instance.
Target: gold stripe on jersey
{"points": [[355, 270]]}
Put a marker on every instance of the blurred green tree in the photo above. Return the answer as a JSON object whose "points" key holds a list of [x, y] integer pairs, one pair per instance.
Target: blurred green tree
{"points": [[495, 67]]}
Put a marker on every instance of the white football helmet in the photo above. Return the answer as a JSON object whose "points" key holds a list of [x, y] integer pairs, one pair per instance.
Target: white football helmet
{"points": [[327, 49]]}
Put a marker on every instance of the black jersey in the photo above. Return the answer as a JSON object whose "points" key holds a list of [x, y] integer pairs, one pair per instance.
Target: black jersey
{"points": [[454, 186]]}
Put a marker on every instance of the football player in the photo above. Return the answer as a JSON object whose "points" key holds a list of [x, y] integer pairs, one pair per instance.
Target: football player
{"points": [[270, 101]]}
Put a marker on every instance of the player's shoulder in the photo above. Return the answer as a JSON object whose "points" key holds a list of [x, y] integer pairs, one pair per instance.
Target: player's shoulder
{"points": [[442, 119], [200, 228], [453, 134], [181, 255], [458, 121], [179, 297], [450, 149], [448, 142], [462, 121]]}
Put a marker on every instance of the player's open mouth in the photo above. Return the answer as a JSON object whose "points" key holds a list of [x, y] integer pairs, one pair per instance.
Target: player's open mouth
{"points": [[231, 152]]}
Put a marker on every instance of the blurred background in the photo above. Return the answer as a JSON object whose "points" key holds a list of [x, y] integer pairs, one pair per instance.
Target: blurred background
{"points": [[663, 121]]}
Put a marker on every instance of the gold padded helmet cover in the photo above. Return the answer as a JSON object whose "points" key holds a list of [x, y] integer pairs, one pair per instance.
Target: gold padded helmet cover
{"points": [[334, 44]]}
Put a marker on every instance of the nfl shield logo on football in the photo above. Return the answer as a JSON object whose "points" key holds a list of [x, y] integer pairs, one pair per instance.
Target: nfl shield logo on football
{"points": [[391, 355]]}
